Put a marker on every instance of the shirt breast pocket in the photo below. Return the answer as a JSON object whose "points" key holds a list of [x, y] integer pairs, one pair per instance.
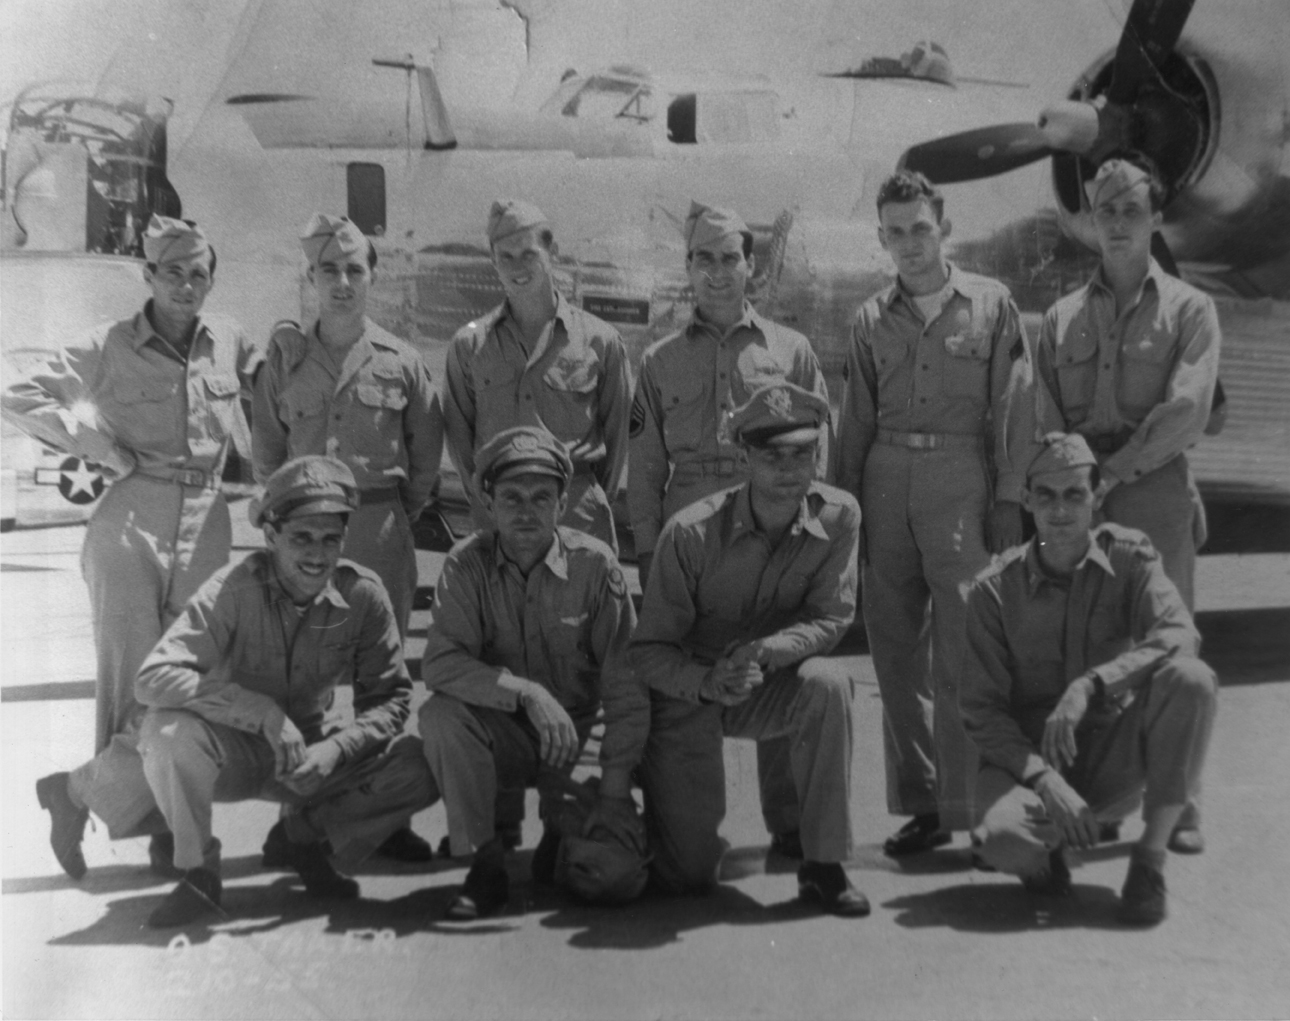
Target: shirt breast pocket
{"points": [[569, 408], [298, 405], [338, 659], [1145, 365], [967, 366], [222, 392], [1076, 368], [684, 408], [140, 412]]}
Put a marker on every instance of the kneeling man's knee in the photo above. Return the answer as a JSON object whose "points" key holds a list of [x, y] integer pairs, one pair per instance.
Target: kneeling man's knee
{"points": [[827, 681], [1189, 680], [169, 733]]}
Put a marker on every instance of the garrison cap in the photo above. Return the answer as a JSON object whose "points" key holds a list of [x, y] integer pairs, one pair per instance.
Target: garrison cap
{"points": [[779, 413], [170, 240], [1059, 451], [331, 235], [524, 449], [600, 871], [313, 484], [510, 216], [1114, 177], [706, 224]]}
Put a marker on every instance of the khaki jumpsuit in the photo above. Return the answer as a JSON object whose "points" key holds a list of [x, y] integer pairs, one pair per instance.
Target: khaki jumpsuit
{"points": [[240, 658], [682, 451], [565, 627], [161, 531], [1028, 636], [378, 411], [717, 583], [936, 425], [575, 383]]}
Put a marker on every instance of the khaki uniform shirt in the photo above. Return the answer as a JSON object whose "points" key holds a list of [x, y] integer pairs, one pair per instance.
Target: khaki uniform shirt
{"points": [[1030, 634], [575, 383], [1144, 381], [565, 627], [124, 389], [690, 383], [378, 411], [966, 373], [241, 653], [716, 583]]}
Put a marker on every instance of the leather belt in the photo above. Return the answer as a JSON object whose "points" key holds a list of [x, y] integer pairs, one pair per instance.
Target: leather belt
{"points": [[928, 441], [1108, 443], [717, 467], [194, 477], [385, 494]]}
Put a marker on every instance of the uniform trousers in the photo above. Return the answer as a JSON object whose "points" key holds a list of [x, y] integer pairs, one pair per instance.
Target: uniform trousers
{"points": [[1166, 505], [474, 752], [380, 538], [190, 763], [1152, 752], [779, 807], [924, 527], [148, 547], [683, 769]]}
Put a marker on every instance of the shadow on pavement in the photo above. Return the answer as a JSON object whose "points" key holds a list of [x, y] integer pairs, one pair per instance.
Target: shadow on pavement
{"points": [[117, 878], [255, 910], [1246, 646], [659, 921], [1004, 906]]}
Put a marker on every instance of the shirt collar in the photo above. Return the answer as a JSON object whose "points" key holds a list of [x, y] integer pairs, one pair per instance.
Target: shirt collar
{"points": [[807, 518], [954, 281], [278, 592], [1036, 576], [556, 559], [144, 331], [750, 320], [1155, 273]]}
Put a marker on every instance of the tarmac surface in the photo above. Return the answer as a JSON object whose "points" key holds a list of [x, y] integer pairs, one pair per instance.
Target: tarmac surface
{"points": [[943, 940]]}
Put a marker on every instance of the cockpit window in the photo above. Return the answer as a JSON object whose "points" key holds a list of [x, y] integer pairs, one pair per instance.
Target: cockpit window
{"points": [[605, 98]]}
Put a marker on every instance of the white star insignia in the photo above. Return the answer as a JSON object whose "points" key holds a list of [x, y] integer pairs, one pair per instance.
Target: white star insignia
{"points": [[82, 480]]}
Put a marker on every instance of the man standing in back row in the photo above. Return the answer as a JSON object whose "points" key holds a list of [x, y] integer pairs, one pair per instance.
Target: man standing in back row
{"points": [[537, 360], [681, 444], [934, 437], [348, 389], [154, 401], [1130, 361]]}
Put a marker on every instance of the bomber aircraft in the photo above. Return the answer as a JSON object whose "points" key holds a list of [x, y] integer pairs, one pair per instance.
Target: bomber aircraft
{"points": [[412, 117]]}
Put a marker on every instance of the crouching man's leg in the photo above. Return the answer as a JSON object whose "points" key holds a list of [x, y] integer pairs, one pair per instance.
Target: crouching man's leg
{"points": [[811, 705], [683, 778], [189, 763], [1016, 835], [472, 751], [1162, 739]]}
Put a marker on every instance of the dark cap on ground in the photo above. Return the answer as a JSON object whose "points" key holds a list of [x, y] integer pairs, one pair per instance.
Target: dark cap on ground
{"points": [[312, 484], [781, 413], [524, 449]]}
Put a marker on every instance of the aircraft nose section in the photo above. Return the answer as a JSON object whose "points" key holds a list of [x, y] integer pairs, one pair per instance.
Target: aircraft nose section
{"points": [[1069, 126]]}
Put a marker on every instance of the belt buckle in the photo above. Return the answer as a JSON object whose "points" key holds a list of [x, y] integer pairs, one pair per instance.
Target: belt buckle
{"points": [[194, 477], [923, 441]]}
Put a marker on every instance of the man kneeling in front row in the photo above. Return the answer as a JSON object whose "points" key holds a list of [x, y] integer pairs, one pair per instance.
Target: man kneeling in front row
{"points": [[1082, 689], [529, 640], [748, 589], [240, 692]]}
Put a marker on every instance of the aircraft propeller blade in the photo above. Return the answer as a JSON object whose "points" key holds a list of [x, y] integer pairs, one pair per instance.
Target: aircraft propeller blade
{"points": [[982, 152], [1150, 34]]}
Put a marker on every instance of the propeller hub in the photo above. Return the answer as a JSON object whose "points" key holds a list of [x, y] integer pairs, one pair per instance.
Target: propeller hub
{"points": [[1070, 126]]}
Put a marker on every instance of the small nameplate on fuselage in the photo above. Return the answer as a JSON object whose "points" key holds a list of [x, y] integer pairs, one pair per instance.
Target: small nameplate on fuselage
{"points": [[633, 311]]}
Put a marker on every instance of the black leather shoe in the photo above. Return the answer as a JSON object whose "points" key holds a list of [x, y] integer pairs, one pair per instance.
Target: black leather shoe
{"points": [[827, 884], [404, 845], [787, 845], [276, 850], [161, 856], [1055, 881], [487, 887], [921, 833], [321, 880], [67, 822], [511, 834], [197, 895], [542, 868], [1186, 840], [1142, 900]]}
